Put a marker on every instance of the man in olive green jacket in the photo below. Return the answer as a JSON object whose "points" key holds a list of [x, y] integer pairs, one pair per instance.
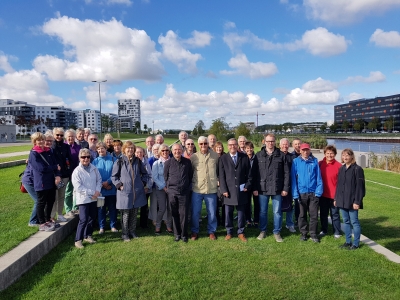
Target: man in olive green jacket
{"points": [[204, 186]]}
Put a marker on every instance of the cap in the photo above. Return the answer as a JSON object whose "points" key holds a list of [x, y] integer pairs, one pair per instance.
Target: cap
{"points": [[304, 146]]}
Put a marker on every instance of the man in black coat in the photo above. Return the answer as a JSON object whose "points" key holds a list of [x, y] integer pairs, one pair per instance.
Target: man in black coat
{"points": [[234, 179], [271, 181], [178, 175]]}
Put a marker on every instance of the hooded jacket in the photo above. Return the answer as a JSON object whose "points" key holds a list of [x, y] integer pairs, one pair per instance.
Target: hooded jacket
{"points": [[306, 177]]}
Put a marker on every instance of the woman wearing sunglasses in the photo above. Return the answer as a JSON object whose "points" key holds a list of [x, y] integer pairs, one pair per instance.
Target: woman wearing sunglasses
{"points": [[87, 183]]}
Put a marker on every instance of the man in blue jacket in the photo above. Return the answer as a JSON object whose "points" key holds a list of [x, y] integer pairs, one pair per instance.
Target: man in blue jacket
{"points": [[307, 188]]}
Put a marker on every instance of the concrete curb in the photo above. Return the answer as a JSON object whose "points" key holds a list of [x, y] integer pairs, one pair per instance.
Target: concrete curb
{"points": [[12, 163], [19, 260]]}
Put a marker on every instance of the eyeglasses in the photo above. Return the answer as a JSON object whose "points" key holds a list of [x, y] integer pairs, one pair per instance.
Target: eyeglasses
{"points": [[232, 145], [165, 150], [50, 141], [190, 144], [59, 135], [85, 157], [201, 144], [93, 139], [270, 141]]}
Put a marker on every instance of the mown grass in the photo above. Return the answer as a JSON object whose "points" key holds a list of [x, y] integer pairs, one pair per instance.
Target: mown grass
{"points": [[158, 268], [15, 209], [384, 177], [11, 149]]}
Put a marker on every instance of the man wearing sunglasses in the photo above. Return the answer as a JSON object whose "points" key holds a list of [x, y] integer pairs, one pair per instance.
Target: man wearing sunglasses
{"points": [[204, 186], [93, 139]]}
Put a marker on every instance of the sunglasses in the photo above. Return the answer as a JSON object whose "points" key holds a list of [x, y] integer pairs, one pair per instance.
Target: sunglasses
{"points": [[201, 144], [93, 139], [189, 144], [85, 157], [59, 135], [164, 150]]}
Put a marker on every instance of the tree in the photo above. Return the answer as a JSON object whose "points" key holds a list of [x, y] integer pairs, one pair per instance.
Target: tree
{"points": [[219, 128], [388, 125], [323, 127], [333, 127], [199, 128], [242, 129], [145, 128], [345, 125], [137, 125]]}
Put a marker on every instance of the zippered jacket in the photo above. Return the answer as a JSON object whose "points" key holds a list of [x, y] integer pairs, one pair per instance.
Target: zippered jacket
{"points": [[306, 177]]}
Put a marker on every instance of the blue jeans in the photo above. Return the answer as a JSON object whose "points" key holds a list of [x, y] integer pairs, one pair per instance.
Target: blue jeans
{"points": [[289, 218], [276, 208], [211, 206], [110, 202], [31, 191], [351, 216]]}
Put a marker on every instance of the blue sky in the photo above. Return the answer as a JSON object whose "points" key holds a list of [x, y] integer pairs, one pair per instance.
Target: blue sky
{"points": [[200, 60]]}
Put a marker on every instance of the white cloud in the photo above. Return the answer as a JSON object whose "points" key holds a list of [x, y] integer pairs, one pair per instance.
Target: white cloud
{"points": [[347, 11], [99, 50], [396, 72], [374, 76], [354, 96], [242, 66], [130, 93], [299, 96], [92, 95], [29, 86], [386, 39], [78, 105], [229, 25], [5, 64], [319, 85], [174, 49], [126, 2], [319, 42]]}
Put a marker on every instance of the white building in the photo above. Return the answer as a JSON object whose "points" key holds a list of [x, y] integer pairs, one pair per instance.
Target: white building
{"points": [[54, 116], [93, 120], [128, 113]]}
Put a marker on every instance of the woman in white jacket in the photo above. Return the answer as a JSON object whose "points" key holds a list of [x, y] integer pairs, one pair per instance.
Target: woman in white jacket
{"points": [[87, 183]]}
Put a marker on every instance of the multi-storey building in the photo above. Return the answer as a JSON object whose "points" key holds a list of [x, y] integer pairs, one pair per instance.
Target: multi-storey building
{"points": [[369, 109], [128, 113], [92, 118]]}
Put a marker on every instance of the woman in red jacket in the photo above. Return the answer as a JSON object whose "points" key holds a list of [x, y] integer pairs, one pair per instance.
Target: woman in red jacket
{"points": [[329, 167]]}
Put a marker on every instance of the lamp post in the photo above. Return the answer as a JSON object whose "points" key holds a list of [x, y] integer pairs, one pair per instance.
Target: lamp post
{"points": [[101, 123]]}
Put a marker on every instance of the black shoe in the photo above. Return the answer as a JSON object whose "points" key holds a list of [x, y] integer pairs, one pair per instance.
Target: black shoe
{"points": [[185, 239], [144, 226], [315, 239], [322, 234], [177, 239], [303, 238], [157, 232], [352, 247], [345, 246]]}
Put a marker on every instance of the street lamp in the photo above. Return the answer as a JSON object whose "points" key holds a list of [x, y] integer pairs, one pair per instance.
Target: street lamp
{"points": [[101, 123]]}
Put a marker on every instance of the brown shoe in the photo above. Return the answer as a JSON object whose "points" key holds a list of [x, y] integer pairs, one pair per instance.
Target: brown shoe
{"points": [[228, 237], [242, 237], [212, 237], [194, 236]]}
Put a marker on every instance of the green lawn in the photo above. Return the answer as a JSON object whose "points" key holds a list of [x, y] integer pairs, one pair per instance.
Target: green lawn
{"points": [[158, 268], [12, 158], [381, 176], [11, 149]]}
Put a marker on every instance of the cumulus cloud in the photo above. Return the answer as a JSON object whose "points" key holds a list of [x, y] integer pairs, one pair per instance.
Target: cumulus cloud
{"points": [[374, 76], [319, 42], [99, 50], [299, 96], [346, 11], [386, 39], [319, 85], [29, 86], [396, 72], [354, 96], [229, 25], [125, 2], [5, 64], [130, 93], [242, 66], [174, 49]]}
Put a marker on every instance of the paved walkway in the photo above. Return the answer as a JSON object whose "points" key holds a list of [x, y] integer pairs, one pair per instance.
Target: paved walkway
{"points": [[14, 154]]}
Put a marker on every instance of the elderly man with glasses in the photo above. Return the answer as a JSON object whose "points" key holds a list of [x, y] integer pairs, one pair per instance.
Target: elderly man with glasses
{"points": [[93, 139], [205, 187]]}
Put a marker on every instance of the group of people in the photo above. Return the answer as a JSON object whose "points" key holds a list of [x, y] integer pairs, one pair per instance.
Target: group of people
{"points": [[179, 178]]}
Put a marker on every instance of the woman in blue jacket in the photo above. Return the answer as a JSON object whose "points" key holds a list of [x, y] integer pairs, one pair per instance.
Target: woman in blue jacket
{"points": [[46, 175], [104, 163]]}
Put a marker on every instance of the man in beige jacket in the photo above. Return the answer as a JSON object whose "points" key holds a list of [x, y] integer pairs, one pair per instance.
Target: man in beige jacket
{"points": [[204, 186]]}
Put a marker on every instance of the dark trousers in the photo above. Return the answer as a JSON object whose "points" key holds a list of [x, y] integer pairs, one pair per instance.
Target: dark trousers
{"points": [[326, 207], [229, 218], [144, 212], [296, 212], [179, 209], [45, 203], [308, 206], [87, 214], [248, 208]]}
